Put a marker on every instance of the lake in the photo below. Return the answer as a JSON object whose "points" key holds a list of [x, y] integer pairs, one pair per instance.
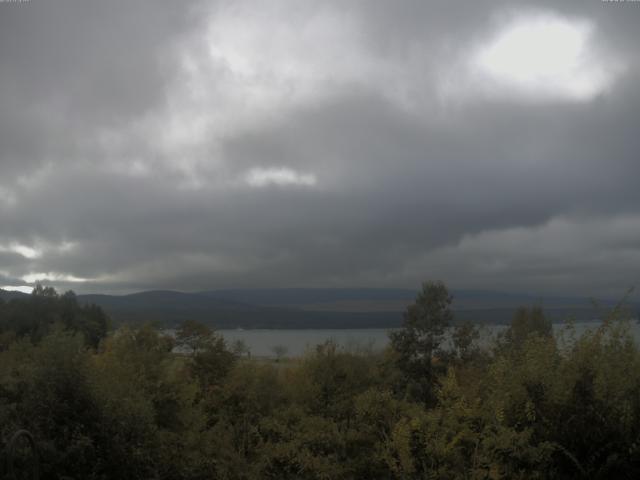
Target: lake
{"points": [[297, 342]]}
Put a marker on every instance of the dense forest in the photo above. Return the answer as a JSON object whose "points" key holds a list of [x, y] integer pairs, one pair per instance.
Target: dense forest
{"points": [[133, 403]]}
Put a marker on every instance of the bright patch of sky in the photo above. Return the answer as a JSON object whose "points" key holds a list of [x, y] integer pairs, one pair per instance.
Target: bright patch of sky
{"points": [[545, 55], [52, 277], [24, 250], [264, 177], [535, 56], [17, 288]]}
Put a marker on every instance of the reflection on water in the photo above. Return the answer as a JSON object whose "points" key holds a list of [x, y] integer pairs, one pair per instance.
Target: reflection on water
{"points": [[296, 342]]}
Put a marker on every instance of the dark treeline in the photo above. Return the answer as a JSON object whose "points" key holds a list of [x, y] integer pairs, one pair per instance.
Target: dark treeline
{"points": [[124, 405], [35, 316]]}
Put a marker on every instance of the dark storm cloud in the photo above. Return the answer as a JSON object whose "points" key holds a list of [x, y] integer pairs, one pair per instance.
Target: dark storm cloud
{"points": [[70, 67], [166, 145]]}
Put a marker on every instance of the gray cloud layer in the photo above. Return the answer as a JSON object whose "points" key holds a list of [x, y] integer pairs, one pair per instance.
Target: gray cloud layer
{"points": [[218, 144]]}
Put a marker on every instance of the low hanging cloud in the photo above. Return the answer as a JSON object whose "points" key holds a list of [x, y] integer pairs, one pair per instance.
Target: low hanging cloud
{"points": [[282, 176], [548, 256], [52, 277], [23, 250], [208, 144]]}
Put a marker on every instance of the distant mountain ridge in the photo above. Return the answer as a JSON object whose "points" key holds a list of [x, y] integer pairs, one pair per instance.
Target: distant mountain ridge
{"points": [[7, 295], [301, 296], [319, 307]]}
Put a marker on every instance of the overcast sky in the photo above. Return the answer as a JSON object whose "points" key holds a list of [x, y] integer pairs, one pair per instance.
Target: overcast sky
{"points": [[493, 145]]}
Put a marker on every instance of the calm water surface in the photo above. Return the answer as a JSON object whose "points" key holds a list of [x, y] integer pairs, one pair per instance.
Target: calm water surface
{"points": [[262, 341]]}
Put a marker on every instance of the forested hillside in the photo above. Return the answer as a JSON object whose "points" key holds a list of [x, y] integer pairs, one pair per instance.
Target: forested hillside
{"points": [[123, 404], [315, 308]]}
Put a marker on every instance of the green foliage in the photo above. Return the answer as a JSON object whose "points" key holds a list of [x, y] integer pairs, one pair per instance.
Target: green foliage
{"points": [[465, 337], [37, 315], [329, 379], [137, 407], [437, 443], [209, 358], [193, 336], [45, 389], [526, 322], [419, 339]]}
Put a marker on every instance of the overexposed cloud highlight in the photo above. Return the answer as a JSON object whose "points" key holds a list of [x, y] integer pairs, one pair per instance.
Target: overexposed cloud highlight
{"points": [[23, 250], [545, 55], [535, 56], [283, 177], [52, 277], [17, 288]]}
